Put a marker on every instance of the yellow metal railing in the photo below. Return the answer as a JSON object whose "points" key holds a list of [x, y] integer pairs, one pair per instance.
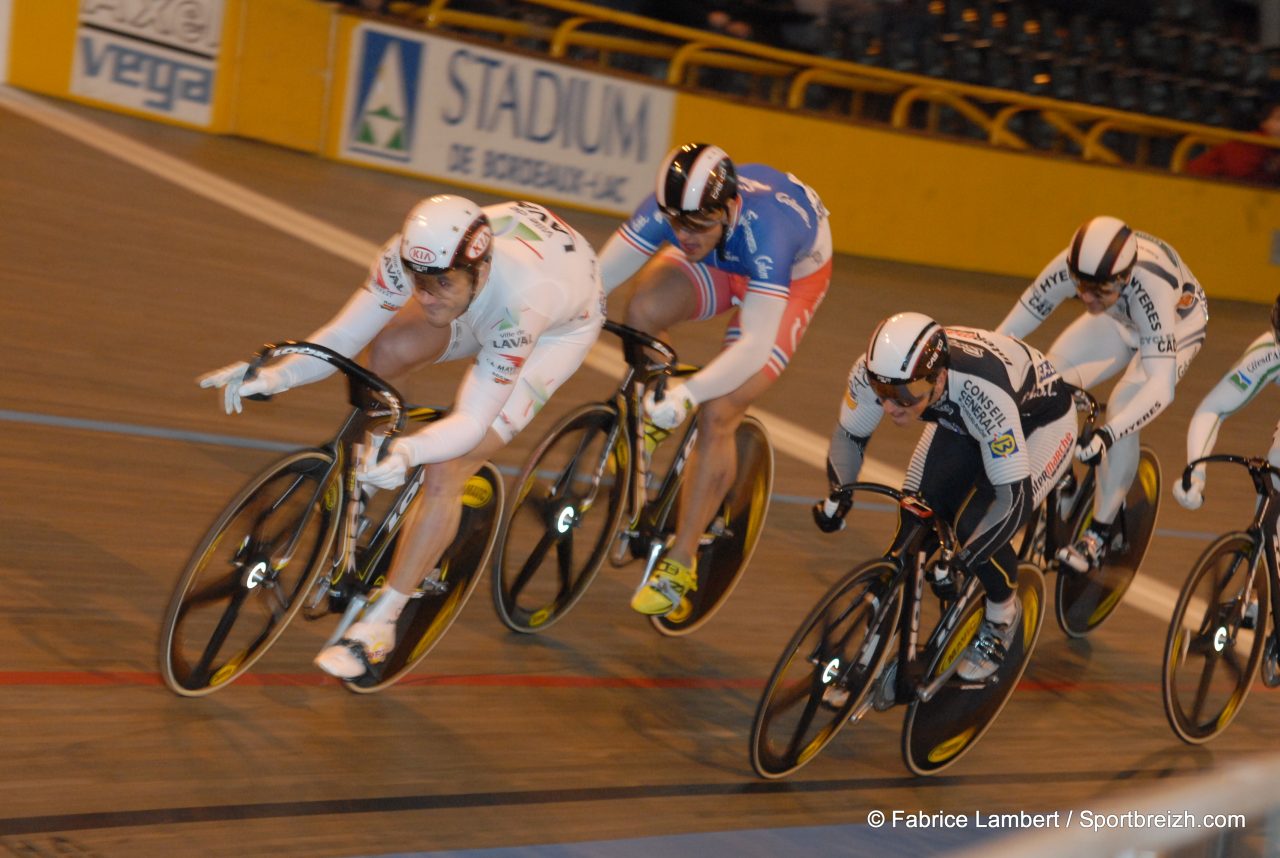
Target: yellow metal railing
{"points": [[785, 79]]}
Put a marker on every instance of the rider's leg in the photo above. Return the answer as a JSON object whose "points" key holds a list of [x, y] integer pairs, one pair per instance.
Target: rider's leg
{"points": [[1091, 350], [668, 289], [409, 341], [429, 527], [712, 464]]}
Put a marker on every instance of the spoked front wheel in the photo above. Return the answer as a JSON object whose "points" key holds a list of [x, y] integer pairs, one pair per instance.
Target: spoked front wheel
{"points": [[732, 535], [1213, 649], [445, 591], [1084, 601], [938, 732], [568, 503], [826, 671], [247, 578]]}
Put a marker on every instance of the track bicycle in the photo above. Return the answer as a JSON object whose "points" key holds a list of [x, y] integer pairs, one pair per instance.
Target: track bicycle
{"points": [[584, 495], [1217, 638], [861, 648], [303, 536], [1084, 600]]}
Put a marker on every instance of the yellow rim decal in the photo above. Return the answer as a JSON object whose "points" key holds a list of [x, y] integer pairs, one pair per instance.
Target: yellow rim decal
{"points": [[1105, 607], [539, 617], [960, 640], [1230, 709], [951, 747], [1147, 476], [1030, 612], [477, 492], [225, 672], [331, 495], [1177, 649]]}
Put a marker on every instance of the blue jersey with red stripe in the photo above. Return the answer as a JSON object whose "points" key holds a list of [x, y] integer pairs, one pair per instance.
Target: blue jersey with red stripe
{"points": [[776, 229]]}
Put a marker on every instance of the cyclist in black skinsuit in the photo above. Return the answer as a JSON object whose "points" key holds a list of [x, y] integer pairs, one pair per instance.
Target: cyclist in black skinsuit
{"points": [[1001, 424]]}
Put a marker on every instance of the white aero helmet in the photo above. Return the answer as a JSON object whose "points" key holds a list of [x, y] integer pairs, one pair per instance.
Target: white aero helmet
{"points": [[444, 232], [1103, 249], [906, 353]]}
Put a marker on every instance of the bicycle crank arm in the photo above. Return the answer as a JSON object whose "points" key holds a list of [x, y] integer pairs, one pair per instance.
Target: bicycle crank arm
{"points": [[353, 610]]}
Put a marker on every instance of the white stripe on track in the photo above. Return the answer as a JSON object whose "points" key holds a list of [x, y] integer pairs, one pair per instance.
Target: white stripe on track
{"points": [[801, 444]]}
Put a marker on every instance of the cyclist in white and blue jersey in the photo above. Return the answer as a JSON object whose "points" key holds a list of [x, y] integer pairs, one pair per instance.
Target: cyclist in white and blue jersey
{"points": [[1145, 314], [753, 240]]}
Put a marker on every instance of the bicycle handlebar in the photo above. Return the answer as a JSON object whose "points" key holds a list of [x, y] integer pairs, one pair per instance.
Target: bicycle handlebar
{"points": [[1258, 468], [359, 378], [912, 503], [633, 344]]}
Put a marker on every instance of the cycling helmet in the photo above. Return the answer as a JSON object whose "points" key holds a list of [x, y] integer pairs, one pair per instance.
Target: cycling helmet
{"points": [[1102, 250], [445, 232], [905, 356], [696, 183]]}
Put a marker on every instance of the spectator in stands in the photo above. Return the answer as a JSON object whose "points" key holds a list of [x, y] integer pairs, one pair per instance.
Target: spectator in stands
{"points": [[1236, 159]]}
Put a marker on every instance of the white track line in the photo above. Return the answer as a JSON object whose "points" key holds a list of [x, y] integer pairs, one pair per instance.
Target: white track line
{"points": [[801, 444]]}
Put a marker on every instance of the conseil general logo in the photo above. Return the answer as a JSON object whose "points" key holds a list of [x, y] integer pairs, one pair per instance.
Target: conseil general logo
{"points": [[384, 105]]}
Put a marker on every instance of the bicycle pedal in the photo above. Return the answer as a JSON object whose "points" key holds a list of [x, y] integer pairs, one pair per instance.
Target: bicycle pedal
{"points": [[885, 694], [432, 586], [717, 530]]}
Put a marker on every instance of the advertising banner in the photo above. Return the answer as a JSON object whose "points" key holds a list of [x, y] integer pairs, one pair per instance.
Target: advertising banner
{"points": [[158, 58], [464, 113]]}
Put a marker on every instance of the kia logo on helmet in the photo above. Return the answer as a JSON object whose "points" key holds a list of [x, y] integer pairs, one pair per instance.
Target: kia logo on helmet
{"points": [[421, 255], [479, 243]]}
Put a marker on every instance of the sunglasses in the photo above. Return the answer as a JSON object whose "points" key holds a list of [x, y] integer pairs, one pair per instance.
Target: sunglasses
{"points": [[903, 393]]}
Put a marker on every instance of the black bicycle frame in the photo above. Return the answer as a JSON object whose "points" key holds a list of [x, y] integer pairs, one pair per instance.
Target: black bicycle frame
{"points": [[1263, 526]]}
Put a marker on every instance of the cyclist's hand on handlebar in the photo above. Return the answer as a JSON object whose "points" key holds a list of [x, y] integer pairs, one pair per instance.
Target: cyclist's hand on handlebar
{"points": [[390, 473], [1091, 449], [674, 407], [235, 388], [1193, 494], [829, 514]]}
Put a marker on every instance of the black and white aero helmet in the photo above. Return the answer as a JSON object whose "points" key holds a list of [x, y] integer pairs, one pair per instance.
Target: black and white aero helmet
{"points": [[906, 354], [696, 179], [1102, 250]]}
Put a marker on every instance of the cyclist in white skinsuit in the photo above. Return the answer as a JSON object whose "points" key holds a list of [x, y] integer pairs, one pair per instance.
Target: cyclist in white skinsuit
{"points": [[511, 285], [1256, 368], [1146, 315]]}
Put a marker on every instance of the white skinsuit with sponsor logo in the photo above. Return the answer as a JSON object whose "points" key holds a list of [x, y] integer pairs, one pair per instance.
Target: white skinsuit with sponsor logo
{"points": [[529, 328], [1256, 368], [1152, 332]]}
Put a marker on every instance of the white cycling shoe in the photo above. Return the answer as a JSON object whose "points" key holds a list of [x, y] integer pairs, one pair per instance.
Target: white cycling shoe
{"points": [[365, 646]]}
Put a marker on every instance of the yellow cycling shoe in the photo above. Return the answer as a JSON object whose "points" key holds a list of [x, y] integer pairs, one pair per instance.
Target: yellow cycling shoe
{"points": [[662, 593]]}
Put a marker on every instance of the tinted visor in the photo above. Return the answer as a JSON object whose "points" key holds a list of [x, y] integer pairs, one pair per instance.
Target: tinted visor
{"points": [[700, 221], [1097, 285], [904, 393]]}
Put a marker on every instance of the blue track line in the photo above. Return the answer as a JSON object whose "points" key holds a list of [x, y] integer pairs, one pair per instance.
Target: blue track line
{"points": [[183, 435]]}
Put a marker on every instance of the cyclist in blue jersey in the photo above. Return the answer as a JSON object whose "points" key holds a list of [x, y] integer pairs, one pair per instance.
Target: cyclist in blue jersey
{"points": [[751, 240]]}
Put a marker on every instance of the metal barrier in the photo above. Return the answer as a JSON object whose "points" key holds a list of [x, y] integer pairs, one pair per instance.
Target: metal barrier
{"points": [[788, 79]]}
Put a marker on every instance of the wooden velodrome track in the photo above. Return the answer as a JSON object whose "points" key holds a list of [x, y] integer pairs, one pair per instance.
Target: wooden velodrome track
{"points": [[120, 287]]}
